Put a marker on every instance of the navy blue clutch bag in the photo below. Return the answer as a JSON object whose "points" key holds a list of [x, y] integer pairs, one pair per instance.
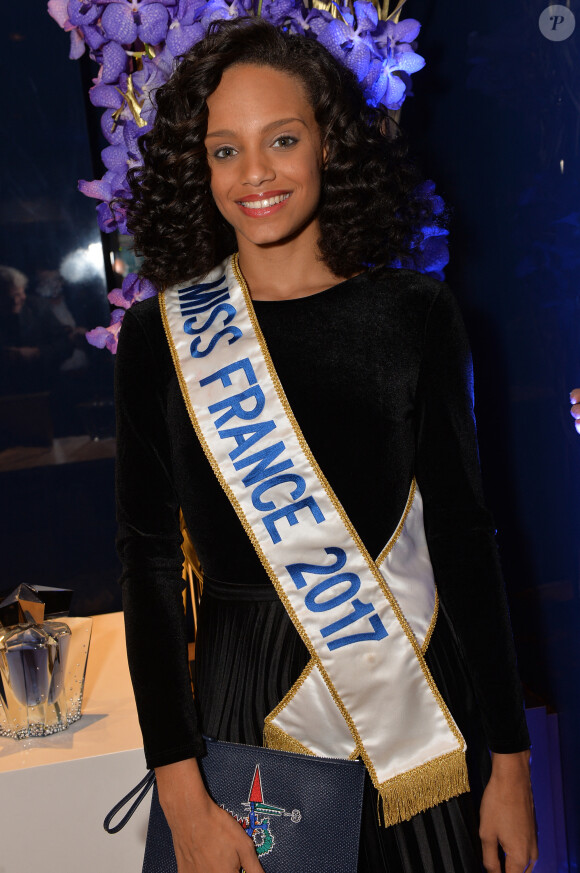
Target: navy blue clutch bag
{"points": [[302, 812]]}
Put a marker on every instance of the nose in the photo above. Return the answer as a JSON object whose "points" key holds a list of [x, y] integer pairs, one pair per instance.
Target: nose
{"points": [[257, 168]]}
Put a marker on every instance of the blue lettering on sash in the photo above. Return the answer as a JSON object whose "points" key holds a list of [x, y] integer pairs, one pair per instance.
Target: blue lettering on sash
{"points": [[248, 405], [234, 332], [289, 512], [258, 491], [246, 436], [202, 297], [203, 303], [225, 372], [315, 603], [196, 294], [262, 461], [190, 324], [234, 407]]}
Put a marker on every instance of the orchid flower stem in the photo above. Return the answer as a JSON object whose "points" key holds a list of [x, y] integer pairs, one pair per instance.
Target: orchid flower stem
{"points": [[260, 8], [394, 15]]}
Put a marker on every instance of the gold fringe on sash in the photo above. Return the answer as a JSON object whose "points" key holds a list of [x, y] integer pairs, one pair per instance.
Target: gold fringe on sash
{"points": [[432, 783], [405, 795]]}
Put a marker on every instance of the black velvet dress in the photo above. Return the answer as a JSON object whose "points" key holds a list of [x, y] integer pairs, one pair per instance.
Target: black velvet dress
{"points": [[378, 373]]}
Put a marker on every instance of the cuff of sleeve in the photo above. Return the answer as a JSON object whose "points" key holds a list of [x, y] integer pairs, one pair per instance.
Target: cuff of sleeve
{"points": [[172, 756], [510, 748], [518, 742]]}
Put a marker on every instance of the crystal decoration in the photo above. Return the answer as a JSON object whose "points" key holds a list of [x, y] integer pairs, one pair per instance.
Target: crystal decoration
{"points": [[42, 662]]}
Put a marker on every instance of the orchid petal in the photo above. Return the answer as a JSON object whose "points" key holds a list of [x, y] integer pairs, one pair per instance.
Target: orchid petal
{"points": [[181, 37], [119, 24], [58, 9], [81, 12], [406, 30], [107, 337], [115, 158], [135, 288], [94, 37], [394, 93], [409, 62], [106, 95], [112, 130], [154, 23], [77, 44], [114, 62], [335, 37], [366, 16], [358, 60], [99, 188]]}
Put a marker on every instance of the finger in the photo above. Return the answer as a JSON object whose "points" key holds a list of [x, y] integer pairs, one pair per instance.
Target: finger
{"points": [[490, 856], [249, 862], [575, 395], [518, 863], [575, 410]]}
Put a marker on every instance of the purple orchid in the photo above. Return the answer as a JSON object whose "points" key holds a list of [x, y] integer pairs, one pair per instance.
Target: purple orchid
{"points": [[349, 40], [113, 62], [288, 13], [154, 72], [387, 82], [108, 96], [112, 128], [111, 217], [125, 21], [432, 256], [84, 12], [133, 290], [184, 30], [107, 337], [58, 10], [218, 10], [84, 15]]}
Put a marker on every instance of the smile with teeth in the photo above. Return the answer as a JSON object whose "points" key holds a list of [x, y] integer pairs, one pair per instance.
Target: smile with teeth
{"points": [[264, 204]]}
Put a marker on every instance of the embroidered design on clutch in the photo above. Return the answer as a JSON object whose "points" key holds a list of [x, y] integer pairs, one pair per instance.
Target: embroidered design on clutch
{"points": [[256, 819]]}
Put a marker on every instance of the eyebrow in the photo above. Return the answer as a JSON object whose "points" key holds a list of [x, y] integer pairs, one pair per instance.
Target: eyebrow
{"points": [[266, 129]]}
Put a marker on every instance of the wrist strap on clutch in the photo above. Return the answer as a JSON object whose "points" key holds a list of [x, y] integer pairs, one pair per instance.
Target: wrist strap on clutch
{"points": [[142, 789]]}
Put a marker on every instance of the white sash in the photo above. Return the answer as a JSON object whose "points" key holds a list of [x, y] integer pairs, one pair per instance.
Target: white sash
{"points": [[367, 690]]}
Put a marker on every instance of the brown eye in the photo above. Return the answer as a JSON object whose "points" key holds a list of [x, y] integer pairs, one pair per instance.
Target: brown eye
{"points": [[224, 152], [284, 142]]}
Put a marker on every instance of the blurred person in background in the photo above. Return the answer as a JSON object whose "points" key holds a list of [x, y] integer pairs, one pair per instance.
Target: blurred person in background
{"points": [[33, 343]]}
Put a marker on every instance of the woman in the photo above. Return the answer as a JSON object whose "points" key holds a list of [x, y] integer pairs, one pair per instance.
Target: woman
{"points": [[264, 145]]}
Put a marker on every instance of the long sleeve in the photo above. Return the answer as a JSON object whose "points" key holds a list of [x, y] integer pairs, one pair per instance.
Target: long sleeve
{"points": [[460, 531], [149, 546]]}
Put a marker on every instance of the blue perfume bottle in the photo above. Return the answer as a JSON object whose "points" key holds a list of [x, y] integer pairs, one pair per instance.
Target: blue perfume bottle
{"points": [[42, 663]]}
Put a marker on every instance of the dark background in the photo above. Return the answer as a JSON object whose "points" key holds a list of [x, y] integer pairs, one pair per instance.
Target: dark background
{"points": [[495, 120]]}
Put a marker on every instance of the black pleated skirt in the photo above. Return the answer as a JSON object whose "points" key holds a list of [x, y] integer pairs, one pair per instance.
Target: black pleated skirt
{"points": [[248, 655]]}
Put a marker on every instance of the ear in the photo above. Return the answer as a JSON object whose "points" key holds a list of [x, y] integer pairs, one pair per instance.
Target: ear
{"points": [[325, 151]]}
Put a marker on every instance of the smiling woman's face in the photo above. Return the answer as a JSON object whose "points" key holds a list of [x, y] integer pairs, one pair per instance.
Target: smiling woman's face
{"points": [[264, 153]]}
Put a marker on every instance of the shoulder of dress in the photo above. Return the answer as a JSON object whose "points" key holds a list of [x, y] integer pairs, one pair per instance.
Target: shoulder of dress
{"points": [[144, 325], [404, 288]]}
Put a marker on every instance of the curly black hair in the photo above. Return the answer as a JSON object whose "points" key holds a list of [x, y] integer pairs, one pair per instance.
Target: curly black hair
{"points": [[371, 211]]}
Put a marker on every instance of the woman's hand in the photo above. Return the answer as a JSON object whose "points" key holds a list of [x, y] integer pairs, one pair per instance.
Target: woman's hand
{"points": [[507, 815], [575, 409], [206, 838]]}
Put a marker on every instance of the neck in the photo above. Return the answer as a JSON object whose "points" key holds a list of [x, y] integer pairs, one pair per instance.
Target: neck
{"points": [[281, 272]]}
